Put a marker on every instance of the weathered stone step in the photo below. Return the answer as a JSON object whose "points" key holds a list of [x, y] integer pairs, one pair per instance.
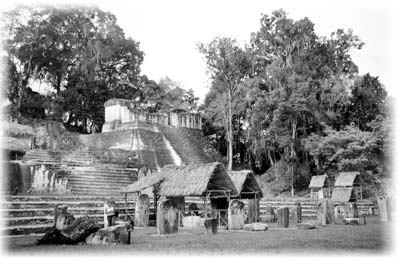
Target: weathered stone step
{"points": [[37, 220], [103, 173], [95, 191], [96, 167], [98, 187], [12, 213], [94, 183], [86, 178], [27, 229], [52, 198], [51, 204], [78, 211]]}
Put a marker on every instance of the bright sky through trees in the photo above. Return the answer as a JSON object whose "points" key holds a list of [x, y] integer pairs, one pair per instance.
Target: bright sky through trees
{"points": [[168, 31]]}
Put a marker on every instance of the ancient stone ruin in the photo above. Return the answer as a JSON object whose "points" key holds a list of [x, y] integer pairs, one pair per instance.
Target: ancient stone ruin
{"points": [[167, 217]]}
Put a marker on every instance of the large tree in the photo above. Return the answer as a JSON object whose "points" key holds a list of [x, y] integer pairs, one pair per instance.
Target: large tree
{"points": [[57, 44], [300, 84], [229, 66], [367, 101]]}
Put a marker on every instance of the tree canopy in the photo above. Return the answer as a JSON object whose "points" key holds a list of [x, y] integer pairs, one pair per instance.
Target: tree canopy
{"points": [[296, 100], [86, 58]]}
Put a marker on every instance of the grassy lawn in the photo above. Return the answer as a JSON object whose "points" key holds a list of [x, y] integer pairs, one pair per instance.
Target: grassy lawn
{"points": [[373, 238]]}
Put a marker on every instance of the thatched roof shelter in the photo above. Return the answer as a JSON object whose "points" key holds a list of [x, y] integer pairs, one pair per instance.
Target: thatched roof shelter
{"points": [[145, 182], [318, 181], [343, 195], [191, 180], [346, 179], [246, 184], [13, 144]]}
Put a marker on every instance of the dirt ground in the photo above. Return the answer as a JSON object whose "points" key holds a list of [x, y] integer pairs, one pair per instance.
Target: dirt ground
{"points": [[373, 238]]}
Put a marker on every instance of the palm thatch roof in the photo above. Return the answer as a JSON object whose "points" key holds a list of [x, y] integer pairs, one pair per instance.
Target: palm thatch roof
{"points": [[15, 129], [342, 194], [145, 182], [318, 181], [245, 183], [191, 180], [14, 144], [346, 179]]}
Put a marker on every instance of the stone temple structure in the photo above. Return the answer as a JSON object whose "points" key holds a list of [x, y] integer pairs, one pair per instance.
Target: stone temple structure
{"points": [[120, 112], [68, 166]]}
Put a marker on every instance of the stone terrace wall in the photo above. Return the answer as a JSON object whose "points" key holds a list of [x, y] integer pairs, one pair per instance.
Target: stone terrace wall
{"points": [[122, 111], [145, 143]]}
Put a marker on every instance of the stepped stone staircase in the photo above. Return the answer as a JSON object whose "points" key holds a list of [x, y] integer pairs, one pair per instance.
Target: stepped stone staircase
{"points": [[26, 215], [96, 169], [41, 156], [309, 208], [86, 174], [187, 143], [152, 152], [100, 179]]}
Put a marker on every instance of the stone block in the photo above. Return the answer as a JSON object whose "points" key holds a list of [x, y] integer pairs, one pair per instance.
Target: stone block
{"points": [[111, 235], [211, 226], [236, 215], [383, 209], [254, 210], [330, 214], [142, 211], [321, 212], [306, 225], [256, 227], [193, 222], [167, 217], [351, 221], [326, 213], [295, 214], [283, 217]]}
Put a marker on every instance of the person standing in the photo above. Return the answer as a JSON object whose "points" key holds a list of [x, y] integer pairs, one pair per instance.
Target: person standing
{"points": [[109, 213]]}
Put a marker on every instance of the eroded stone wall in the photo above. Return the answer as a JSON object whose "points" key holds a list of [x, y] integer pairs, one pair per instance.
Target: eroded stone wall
{"points": [[119, 113]]}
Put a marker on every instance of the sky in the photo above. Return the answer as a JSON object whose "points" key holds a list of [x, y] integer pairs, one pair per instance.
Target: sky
{"points": [[169, 30]]}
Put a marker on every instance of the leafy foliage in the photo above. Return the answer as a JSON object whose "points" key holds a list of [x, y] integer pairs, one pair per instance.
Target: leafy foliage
{"points": [[63, 45], [297, 102]]}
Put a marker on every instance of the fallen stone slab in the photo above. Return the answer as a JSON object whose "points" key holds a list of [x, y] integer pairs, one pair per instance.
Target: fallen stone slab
{"points": [[351, 221], [257, 226], [192, 222], [111, 235], [306, 225]]}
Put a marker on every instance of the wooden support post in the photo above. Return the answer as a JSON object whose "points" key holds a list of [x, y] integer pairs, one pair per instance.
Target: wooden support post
{"points": [[126, 204], [155, 204], [257, 207], [205, 206]]}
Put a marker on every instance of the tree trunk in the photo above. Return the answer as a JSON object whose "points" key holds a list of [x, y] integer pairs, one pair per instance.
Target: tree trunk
{"points": [[292, 152], [58, 85], [230, 151], [271, 160], [22, 88]]}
